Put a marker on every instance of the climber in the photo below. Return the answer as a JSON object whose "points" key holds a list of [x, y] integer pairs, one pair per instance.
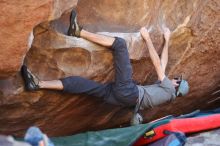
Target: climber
{"points": [[123, 91]]}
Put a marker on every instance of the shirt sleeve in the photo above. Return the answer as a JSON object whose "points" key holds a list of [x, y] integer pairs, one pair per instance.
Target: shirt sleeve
{"points": [[168, 85]]}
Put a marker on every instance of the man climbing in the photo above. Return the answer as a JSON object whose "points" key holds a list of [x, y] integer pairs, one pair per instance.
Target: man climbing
{"points": [[123, 91]]}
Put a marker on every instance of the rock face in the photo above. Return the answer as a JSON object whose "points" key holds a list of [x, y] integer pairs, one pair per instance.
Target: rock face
{"points": [[193, 53], [18, 18]]}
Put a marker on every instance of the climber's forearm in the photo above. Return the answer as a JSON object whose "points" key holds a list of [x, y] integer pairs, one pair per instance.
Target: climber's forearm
{"points": [[153, 54], [164, 56], [155, 58]]}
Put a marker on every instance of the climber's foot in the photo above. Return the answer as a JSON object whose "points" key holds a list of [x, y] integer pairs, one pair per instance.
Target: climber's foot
{"points": [[74, 28], [31, 81]]}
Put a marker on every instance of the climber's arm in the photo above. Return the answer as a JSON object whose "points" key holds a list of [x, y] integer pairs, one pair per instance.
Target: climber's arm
{"points": [[164, 55], [153, 54]]}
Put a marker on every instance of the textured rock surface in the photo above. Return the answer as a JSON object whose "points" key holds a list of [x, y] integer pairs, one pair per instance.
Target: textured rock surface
{"points": [[18, 18], [194, 53]]}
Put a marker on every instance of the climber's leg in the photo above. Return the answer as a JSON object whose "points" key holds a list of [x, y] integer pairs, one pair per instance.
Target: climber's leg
{"points": [[77, 31], [76, 84], [124, 88], [54, 84], [73, 84], [103, 40]]}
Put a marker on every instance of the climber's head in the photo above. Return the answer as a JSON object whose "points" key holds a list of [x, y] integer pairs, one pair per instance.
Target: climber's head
{"points": [[182, 86]]}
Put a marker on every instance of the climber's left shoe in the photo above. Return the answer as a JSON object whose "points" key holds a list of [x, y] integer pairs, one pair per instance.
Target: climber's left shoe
{"points": [[31, 81], [74, 28]]}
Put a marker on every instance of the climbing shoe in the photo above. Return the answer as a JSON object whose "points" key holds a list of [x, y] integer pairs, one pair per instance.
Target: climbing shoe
{"points": [[31, 81], [74, 28]]}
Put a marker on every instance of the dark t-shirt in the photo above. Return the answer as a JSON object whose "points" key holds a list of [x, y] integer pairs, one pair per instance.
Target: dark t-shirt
{"points": [[156, 94]]}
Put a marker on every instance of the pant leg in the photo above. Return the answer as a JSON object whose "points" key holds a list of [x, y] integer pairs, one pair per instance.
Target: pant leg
{"points": [[76, 84], [123, 68], [124, 87]]}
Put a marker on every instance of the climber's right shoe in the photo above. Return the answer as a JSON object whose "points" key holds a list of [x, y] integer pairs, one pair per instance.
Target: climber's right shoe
{"points": [[31, 81], [74, 28]]}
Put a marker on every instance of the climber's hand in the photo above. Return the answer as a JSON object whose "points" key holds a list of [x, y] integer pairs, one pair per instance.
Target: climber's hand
{"points": [[144, 33], [166, 32]]}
